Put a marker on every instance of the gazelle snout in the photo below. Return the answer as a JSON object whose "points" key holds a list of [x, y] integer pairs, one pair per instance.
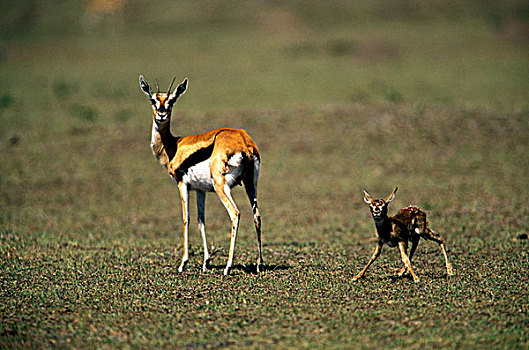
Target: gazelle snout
{"points": [[161, 111], [161, 117], [376, 212], [377, 209]]}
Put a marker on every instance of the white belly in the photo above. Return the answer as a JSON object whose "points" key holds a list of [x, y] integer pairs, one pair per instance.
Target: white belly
{"points": [[198, 177]]}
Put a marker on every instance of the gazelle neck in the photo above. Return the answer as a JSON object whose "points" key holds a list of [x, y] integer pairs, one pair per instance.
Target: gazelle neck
{"points": [[381, 222], [163, 143]]}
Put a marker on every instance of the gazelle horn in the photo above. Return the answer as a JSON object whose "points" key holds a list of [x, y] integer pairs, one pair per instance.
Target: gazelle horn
{"points": [[157, 87], [170, 86]]}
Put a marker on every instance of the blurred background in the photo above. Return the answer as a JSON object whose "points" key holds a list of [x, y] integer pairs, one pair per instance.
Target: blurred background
{"points": [[431, 96], [271, 53]]}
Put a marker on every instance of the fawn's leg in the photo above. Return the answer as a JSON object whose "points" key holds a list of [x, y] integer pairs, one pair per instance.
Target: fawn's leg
{"points": [[374, 257], [406, 260], [434, 236], [414, 243]]}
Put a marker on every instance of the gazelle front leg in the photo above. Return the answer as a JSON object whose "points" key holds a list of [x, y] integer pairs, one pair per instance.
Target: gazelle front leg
{"points": [[406, 260], [184, 196], [201, 206], [374, 257], [414, 244]]}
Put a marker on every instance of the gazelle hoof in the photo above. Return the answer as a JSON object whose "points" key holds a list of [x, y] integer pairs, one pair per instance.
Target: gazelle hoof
{"points": [[182, 266], [226, 271], [205, 266]]}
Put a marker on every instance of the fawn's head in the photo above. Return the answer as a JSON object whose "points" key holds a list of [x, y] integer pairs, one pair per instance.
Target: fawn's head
{"points": [[162, 102], [379, 207]]}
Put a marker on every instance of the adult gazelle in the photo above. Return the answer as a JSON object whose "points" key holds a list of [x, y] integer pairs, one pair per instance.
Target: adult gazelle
{"points": [[214, 161]]}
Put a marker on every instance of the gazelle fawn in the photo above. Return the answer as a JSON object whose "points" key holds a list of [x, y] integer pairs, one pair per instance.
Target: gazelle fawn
{"points": [[214, 161], [409, 224]]}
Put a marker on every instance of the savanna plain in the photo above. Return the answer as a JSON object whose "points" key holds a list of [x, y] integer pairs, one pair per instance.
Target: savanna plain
{"points": [[432, 97]]}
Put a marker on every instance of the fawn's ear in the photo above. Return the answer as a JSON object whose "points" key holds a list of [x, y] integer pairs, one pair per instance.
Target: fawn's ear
{"points": [[367, 197], [145, 87], [391, 196]]}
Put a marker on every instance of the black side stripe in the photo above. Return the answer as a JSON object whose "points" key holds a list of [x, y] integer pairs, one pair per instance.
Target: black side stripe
{"points": [[195, 158]]}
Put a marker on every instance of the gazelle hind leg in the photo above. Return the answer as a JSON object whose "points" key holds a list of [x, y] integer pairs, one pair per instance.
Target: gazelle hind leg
{"points": [[184, 196], [257, 222], [434, 236], [201, 207], [250, 184], [449, 269], [223, 191]]}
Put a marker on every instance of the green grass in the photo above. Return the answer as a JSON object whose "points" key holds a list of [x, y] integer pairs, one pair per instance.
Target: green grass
{"points": [[338, 99]]}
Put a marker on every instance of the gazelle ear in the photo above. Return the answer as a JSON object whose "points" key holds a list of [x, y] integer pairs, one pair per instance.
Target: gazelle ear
{"points": [[180, 89], [391, 196], [145, 87], [367, 197]]}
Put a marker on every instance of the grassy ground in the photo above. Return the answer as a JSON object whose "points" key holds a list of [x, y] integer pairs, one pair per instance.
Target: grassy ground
{"points": [[338, 100]]}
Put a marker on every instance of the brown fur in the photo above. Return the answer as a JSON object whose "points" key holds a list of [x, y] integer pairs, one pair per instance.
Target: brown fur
{"points": [[172, 151], [226, 142], [408, 225]]}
